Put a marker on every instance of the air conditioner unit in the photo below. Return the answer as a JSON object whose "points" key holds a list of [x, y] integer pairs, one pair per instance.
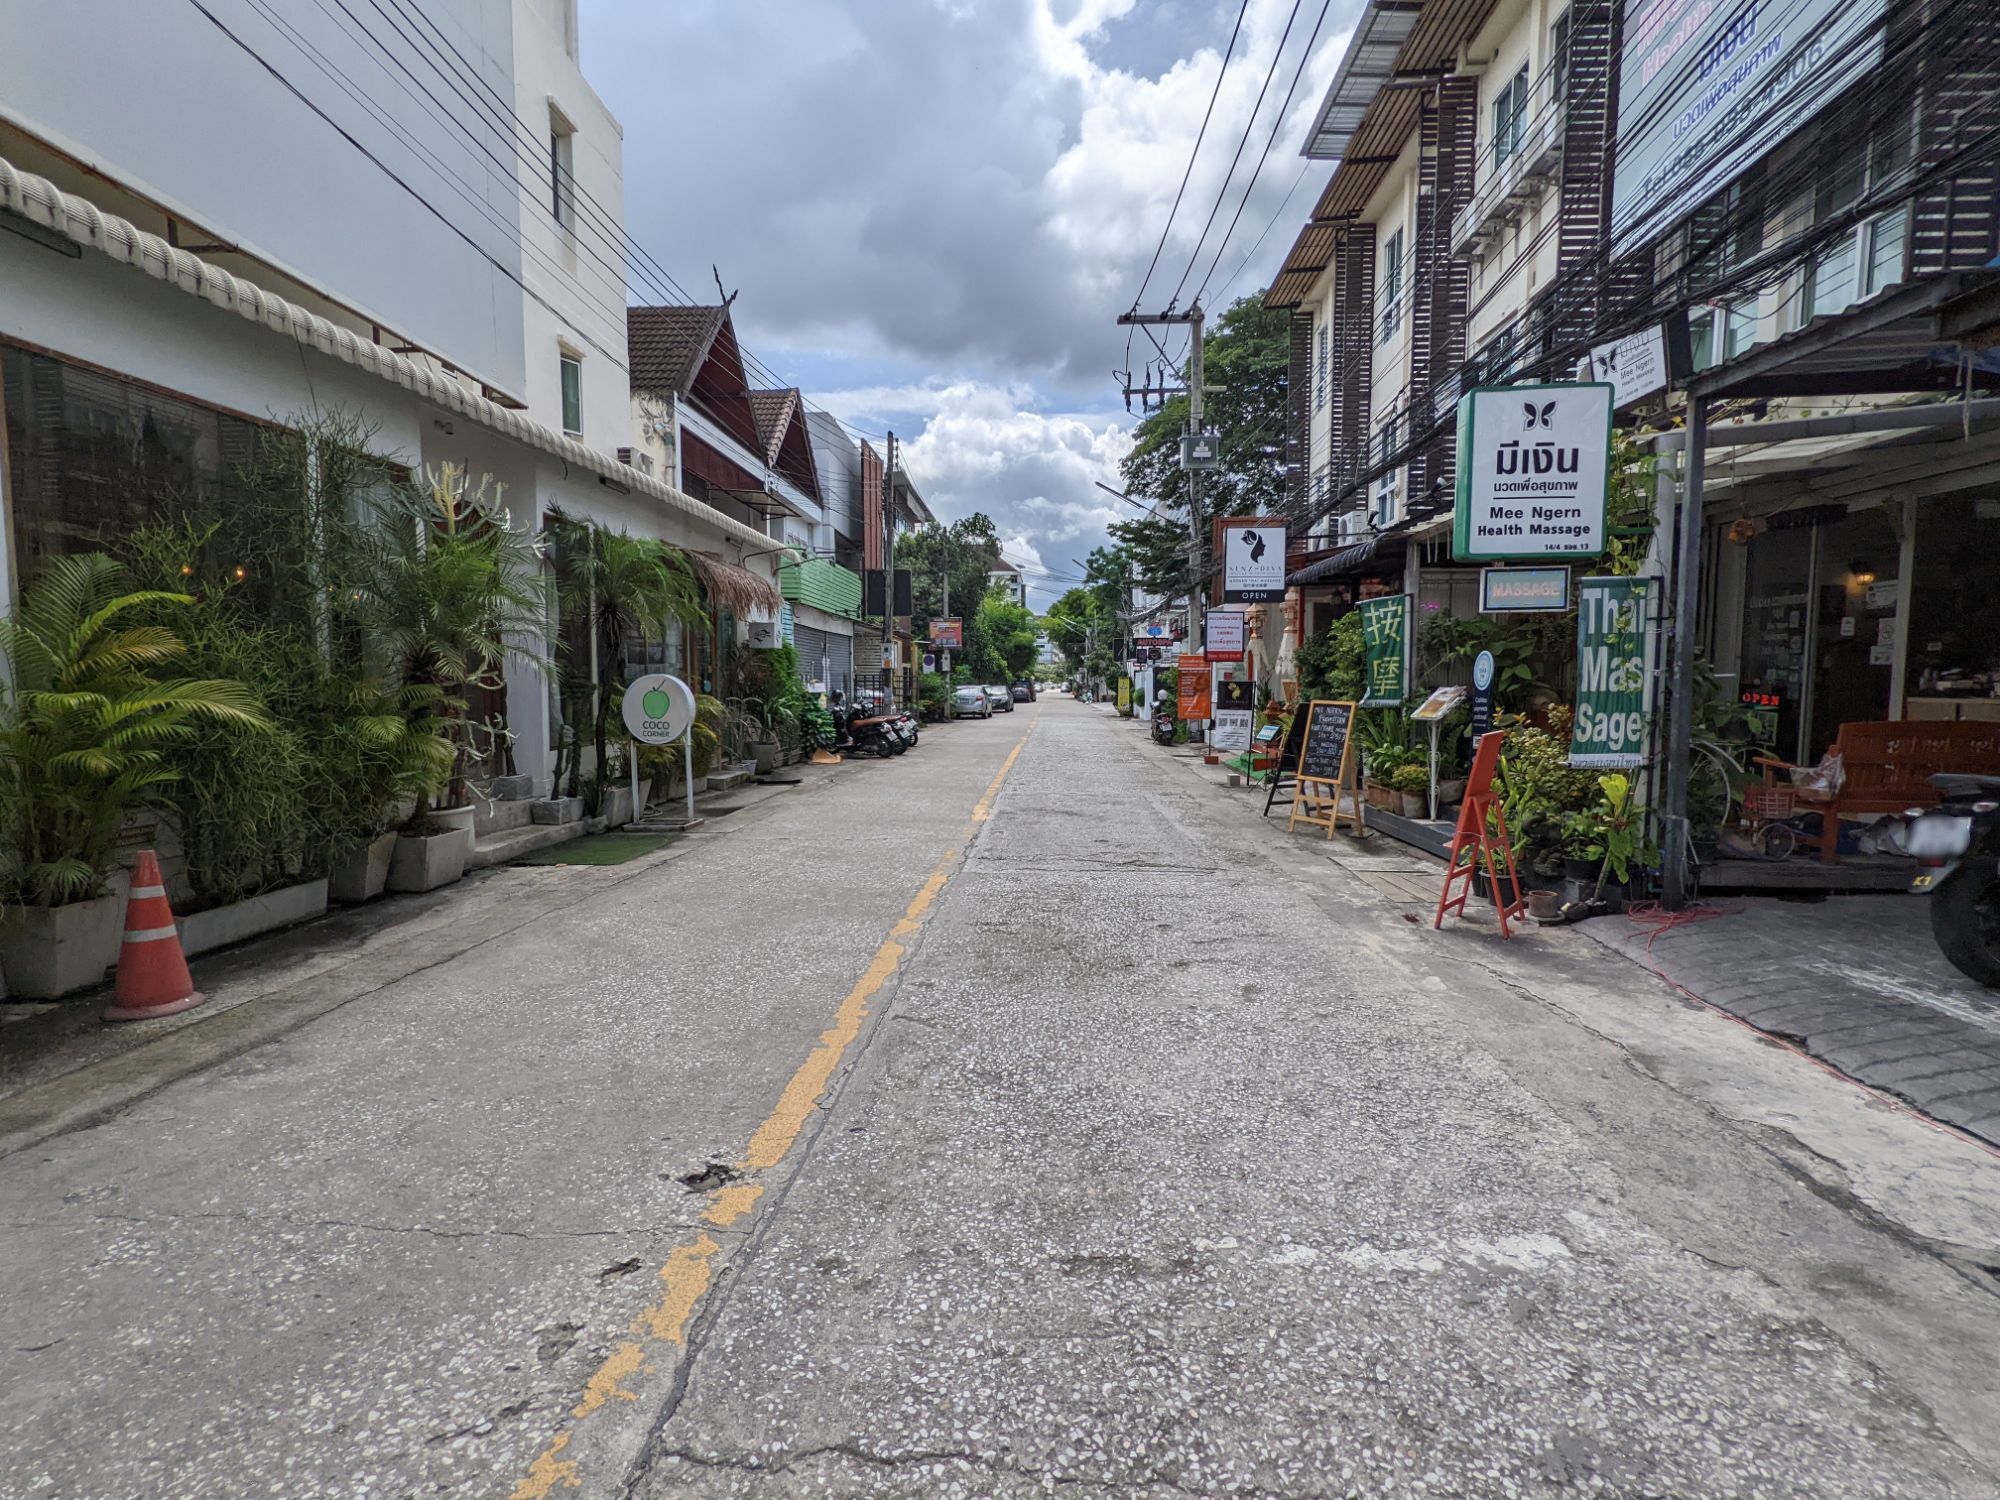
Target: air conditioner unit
{"points": [[636, 458]]}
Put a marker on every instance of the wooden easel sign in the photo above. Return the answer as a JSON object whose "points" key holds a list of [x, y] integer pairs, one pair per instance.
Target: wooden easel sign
{"points": [[1325, 759]]}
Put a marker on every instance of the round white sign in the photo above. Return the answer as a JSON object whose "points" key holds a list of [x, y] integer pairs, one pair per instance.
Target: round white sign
{"points": [[1482, 671], [658, 709]]}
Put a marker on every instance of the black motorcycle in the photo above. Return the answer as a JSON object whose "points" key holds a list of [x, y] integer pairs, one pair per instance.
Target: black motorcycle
{"points": [[1958, 843], [1164, 723]]}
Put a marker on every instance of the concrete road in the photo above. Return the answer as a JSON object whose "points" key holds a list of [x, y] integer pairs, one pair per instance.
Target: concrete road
{"points": [[1072, 1128]]}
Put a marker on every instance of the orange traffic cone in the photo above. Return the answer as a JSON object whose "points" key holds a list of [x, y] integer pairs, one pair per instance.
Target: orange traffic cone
{"points": [[153, 978]]}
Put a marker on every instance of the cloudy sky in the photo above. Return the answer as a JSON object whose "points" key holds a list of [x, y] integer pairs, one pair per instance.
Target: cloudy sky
{"points": [[934, 210]]}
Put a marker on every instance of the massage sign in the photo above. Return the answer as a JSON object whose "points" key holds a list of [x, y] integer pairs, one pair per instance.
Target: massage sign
{"points": [[1533, 461]]}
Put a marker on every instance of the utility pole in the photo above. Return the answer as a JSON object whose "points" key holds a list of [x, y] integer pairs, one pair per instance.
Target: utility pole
{"points": [[889, 571], [1192, 320]]}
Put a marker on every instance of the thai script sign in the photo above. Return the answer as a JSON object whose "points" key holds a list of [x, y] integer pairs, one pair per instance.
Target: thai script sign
{"points": [[1705, 87], [1533, 462]]}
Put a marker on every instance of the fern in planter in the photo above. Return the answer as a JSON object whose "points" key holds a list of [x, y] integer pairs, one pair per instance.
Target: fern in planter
{"points": [[87, 724]]}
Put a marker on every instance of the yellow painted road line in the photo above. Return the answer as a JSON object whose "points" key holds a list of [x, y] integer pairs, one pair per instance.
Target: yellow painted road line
{"points": [[690, 1268]]}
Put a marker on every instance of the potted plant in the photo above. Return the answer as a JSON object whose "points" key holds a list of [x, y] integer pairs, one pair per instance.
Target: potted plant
{"points": [[445, 585], [620, 588], [83, 739], [1612, 833], [1412, 783]]}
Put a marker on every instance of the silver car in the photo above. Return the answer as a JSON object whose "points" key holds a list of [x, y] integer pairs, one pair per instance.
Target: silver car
{"points": [[1000, 697], [971, 703]]}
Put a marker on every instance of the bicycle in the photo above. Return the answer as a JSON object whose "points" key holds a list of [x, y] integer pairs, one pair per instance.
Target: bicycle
{"points": [[1765, 821]]}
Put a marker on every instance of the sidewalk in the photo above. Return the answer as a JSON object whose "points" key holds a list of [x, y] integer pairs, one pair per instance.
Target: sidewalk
{"points": [[1855, 981]]}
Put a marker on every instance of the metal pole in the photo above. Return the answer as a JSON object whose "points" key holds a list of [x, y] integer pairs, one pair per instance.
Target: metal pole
{"points": [[1197, 614], [1680, 706], [633, 757], [687, 771]]}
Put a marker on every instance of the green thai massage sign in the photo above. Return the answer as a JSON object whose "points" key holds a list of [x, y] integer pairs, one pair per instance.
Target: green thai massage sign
{"points": [[1616, 647], [1385, 632]]}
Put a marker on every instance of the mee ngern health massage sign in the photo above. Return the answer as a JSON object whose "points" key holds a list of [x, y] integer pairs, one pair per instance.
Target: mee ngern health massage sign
{"points": [[1533, 465]]}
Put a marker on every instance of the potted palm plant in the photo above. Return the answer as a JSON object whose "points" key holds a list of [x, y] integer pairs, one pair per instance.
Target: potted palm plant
{"points": [[84, 730], [446, 589], [623, 588]]}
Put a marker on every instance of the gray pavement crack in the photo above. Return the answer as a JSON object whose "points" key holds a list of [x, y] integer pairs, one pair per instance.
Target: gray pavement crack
{"points": [[290, 1222]]}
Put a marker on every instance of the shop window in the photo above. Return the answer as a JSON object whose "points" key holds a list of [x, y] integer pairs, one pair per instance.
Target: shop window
{"points": [[91, 456], [1954, 605]]}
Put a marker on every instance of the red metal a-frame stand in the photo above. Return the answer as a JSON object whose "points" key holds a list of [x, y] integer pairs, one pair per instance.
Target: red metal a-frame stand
{"points": [[1480, 842]]}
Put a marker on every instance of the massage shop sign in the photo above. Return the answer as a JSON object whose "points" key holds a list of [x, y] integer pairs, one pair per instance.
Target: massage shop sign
{"points": [[1533, 464], [1616, 653]]}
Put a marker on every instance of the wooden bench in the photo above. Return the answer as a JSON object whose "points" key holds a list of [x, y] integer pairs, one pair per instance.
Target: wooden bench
{"points": [[1889, 765]]}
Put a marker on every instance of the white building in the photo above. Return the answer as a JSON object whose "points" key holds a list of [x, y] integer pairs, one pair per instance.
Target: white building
{"points": [[226, 220]]}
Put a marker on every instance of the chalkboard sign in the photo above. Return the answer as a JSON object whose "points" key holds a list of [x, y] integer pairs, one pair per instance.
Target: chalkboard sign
{"points": [[1324, 755], [1323, 767]]}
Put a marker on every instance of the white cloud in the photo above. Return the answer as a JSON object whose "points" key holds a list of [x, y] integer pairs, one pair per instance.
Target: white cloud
{"points": [[954, 199]]}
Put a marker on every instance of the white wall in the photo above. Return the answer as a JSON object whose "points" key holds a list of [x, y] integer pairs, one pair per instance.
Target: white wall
{"points": [[156, 98], [578, 275]]}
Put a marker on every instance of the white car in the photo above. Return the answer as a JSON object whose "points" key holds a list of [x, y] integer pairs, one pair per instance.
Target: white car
{"points": [[970, 703]]}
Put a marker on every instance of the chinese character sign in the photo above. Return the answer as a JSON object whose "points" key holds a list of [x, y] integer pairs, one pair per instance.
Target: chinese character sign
{"points": [[1616, 647], [1385, 631]]}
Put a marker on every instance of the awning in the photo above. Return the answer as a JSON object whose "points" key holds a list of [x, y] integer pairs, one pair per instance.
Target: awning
{"points": [[1349, 559], [736, 589]]}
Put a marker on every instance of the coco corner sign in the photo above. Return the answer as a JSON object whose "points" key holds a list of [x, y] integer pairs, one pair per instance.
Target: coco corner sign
{"points": [[1533, 465], [658, 709]]}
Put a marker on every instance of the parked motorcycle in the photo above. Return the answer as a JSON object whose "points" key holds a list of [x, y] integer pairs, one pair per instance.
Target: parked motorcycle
{"points": [[1164, 723], [1958, 843]]}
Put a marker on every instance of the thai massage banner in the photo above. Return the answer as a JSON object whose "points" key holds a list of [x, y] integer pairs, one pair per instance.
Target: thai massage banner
{"points": [[1616, 653], [1385, 631], [1192, 696]]}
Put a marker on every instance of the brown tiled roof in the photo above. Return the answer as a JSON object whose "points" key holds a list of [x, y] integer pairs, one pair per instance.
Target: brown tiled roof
{"points": [[666, 345], [773, 411]]}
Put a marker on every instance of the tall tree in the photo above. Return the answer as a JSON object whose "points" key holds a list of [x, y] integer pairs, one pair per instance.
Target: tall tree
{"points": [[1247, 355], [967, 552]]}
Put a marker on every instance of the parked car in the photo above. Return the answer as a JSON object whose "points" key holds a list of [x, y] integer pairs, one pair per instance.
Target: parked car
{"points": [[1024, 692], [1000, 698], [970, 703]]}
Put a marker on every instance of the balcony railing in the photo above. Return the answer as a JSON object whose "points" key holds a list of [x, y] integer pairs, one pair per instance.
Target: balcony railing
{"points": [[1509, 184]]}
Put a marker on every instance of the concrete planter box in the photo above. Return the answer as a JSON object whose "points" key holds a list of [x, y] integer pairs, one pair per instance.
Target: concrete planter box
{"points": [[425, 863], [618, 808], [364, 874], [203, 931], [768, 756], [48, 951], [1414, 804], [511, 788], [1383, 796], [559, 810]]}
